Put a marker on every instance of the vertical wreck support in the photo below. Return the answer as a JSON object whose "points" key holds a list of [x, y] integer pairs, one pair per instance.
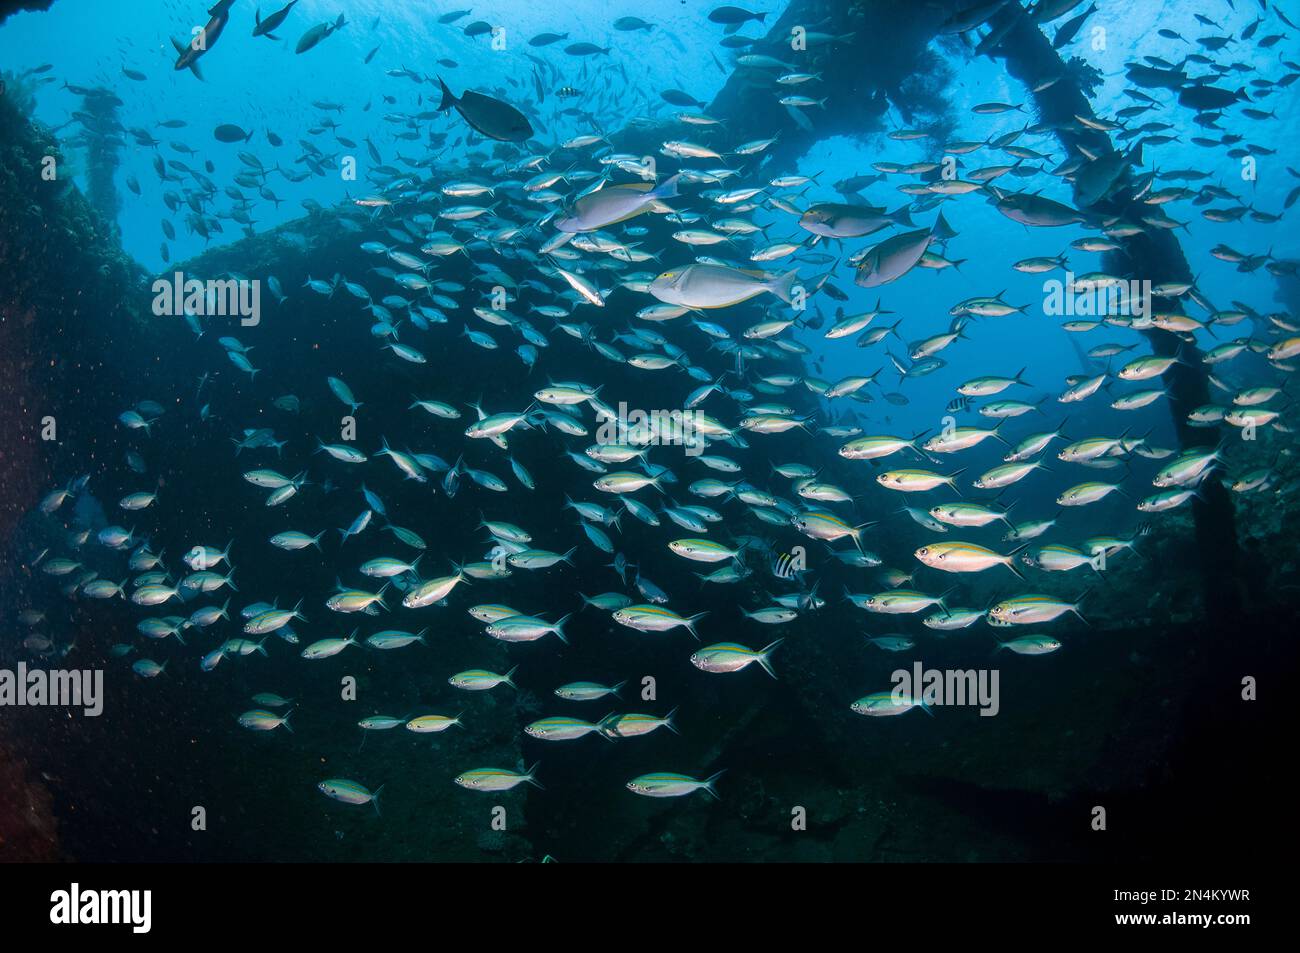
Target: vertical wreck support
{"points": [[1154, 256]]}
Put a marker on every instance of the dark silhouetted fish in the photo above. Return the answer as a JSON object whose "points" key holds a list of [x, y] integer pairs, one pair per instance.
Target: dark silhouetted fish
{"points": [[205, 39], [230, 133], [264, 27], [489, 116], [319, 32]]}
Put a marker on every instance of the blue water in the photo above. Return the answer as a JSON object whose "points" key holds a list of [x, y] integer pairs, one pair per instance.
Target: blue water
{"points": [[259, 84]]}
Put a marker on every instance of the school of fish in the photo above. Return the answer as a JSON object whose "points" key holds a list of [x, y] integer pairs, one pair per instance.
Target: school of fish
{"points": [[727, 265]]}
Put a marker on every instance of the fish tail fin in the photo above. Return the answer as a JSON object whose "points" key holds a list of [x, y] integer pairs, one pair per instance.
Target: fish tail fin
{"points": [[668, 188], [709, 784], [668, 721], [941, 230], [690, 623], [764, 657], [559, 627], [448, 100], [782, 286], [374, 798], [1075, 608], [602, 731], [531, 775]]}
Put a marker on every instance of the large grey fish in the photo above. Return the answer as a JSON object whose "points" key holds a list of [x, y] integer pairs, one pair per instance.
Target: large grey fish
{"points": [[1204, 98], [615, 203], [717, 286], [895, 257], [487, 115], [1096, 180], [1030, 209], [834, 220], [1153, 77]]}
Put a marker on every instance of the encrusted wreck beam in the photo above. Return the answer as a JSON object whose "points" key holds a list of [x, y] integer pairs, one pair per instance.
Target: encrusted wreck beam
{"points": [[1157, 258], [67, 290], [10, 7]]}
